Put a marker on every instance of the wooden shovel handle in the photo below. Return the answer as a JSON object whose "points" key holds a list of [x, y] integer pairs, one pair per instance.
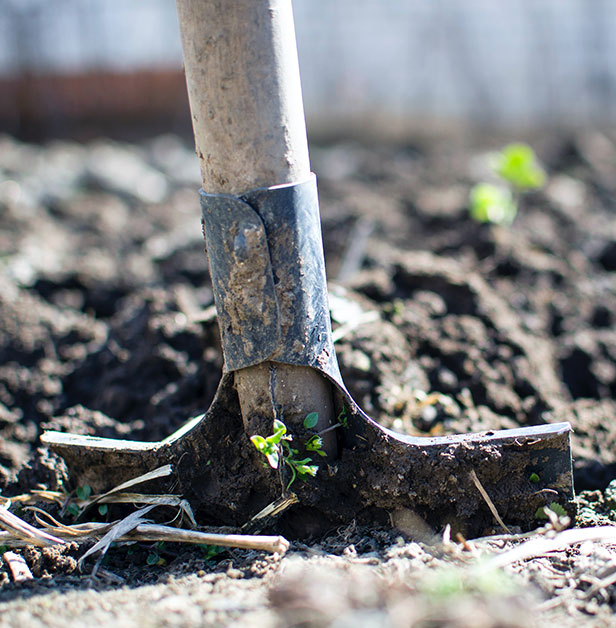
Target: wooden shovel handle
{"points": [[242, 73]]}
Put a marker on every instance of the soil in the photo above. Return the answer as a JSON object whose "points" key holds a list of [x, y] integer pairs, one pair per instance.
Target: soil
{"points": [[445, 326]]}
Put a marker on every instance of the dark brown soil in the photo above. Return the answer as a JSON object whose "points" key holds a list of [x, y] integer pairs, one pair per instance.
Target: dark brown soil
{"points": [[103, 288]]}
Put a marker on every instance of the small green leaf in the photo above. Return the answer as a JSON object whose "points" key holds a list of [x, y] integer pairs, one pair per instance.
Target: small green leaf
{"points": [[493, 204], [103, 509], [311, 420], [152, 558], [558, 509], [314, 443], [273, 458], [73, 510], [518, 165], [555, 507], [211, 551], [280, 430], [83, 492], [259, 442], [307, 469], [540, 513], [534, 478], [279, 427]]}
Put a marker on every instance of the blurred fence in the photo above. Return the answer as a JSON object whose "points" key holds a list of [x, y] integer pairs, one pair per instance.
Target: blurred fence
{"points": [[414, 62]]}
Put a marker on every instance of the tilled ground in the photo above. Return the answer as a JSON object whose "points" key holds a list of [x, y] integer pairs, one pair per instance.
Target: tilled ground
{"points": [[106, 328]]}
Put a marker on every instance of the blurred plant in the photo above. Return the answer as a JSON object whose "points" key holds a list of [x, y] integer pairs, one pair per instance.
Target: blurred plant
{"points": [[444, 583], [519, 171]]}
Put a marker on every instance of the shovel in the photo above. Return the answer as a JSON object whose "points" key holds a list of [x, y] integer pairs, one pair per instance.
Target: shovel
{"points": [[315, 459]]}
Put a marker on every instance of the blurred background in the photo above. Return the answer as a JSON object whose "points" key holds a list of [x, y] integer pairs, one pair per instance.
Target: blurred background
{"points": [[90, 67]]}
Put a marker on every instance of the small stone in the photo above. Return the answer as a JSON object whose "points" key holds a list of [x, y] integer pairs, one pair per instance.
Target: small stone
{"points": [[234, 574], [360, 361]]}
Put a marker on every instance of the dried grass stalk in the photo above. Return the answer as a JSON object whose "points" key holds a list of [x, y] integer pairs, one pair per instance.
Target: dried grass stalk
{"points": [[116, 531], [488, 501], [24, 531], [18, 567], [153, 532], [157, 500], [38, 495], [156, 474], [544, 545]]}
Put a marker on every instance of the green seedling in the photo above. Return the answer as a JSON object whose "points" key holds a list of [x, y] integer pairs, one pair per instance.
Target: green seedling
{"points": [[277, 446], [73, 510], [493, 204], [517, 164], [343, 417], [534, 478], [83, 492], [211, 551], [154, 558], [555, 507], [270, 446], [518, 171], [311, 420], [316, 444]]}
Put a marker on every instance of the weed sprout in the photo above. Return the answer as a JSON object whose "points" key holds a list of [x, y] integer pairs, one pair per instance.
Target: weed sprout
{"points": [[518, 171]]}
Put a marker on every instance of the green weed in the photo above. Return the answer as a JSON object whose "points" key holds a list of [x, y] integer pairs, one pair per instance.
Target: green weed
{"points": [[154, 558], [83, 492], [492, 203], [211, 551], [518, 171], [555, 507], [518, 165], [311, 420], [277, 447]]}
